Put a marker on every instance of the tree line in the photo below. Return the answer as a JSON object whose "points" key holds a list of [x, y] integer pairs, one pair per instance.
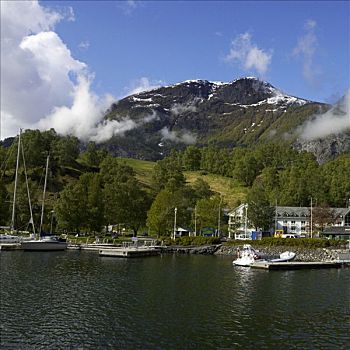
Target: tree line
{"points": [[89, 189]]}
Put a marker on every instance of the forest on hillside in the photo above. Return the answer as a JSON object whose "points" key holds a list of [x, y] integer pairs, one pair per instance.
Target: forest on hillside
{"points": [[88, 189]]}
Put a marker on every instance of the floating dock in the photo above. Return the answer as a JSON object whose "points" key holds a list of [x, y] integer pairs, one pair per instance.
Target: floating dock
{"points": [[297, 265], [10, 246], [129, 252]]}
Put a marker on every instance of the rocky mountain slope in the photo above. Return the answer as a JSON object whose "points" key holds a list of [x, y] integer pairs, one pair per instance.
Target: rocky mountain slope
{"points": [[240, 113]]}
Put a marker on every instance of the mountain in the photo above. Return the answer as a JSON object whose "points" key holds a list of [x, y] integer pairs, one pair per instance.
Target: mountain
{"points": [[239, 113], [329, 146]]}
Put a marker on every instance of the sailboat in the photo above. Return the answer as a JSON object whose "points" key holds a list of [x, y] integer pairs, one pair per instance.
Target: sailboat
{"points": [[48, 242], [12, 238]]}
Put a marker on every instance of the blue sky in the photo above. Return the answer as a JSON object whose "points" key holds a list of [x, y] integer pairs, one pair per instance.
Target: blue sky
{"points": [[174, 41], [82, 55]]}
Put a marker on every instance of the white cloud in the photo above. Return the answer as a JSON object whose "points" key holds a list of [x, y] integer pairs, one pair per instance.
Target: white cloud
{"points": [[84, 114], [245, 52], [141, 85], [335, 121], [128, 6], [84, 45], [43, 85], [108, 128], [183, 137], [178, 109], [306, 48]]}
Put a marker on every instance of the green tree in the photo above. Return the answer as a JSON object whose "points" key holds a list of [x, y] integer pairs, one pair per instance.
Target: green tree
{"points": [[192, 158], [65, 150], [70, 208], [4, 204], [335, 175], [202, 189], [92, 184], [160, 217], [247, 169], [207, 211], [166, 169], [260, 212], [126, 203], [93, 156]]}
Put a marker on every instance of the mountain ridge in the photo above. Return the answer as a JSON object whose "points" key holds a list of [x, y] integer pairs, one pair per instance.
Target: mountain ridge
{"points": [[201, 112]]}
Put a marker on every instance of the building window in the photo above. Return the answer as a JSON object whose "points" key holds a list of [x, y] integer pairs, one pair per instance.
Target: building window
{"points": [[303, 223], [347, 220], [293, 222], [292, 228]]}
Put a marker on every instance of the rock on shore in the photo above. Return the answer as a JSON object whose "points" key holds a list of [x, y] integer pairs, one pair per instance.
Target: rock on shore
{"points": [[302, 254]]}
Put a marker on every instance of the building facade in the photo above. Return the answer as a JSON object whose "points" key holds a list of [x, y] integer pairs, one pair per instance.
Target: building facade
{"points": [[290, 220]]}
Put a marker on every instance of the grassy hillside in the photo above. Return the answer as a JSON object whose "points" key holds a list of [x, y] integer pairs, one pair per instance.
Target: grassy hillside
{"points": [[232, 192], [142, 168]]}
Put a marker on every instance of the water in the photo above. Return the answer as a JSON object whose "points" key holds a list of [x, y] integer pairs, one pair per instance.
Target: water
{"points": [[77, 300]]}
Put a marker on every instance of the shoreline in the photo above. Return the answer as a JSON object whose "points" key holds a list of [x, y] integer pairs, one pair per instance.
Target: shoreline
{"points": [[302, 254]]}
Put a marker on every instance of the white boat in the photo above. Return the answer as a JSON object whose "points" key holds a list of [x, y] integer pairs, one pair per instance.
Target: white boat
{"points": [[246, 256], [46, 243], [9, 239], [285, 256]]}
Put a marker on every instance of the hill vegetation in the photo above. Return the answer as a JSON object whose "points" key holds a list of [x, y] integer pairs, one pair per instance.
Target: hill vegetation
{"points": [[89, 190]]}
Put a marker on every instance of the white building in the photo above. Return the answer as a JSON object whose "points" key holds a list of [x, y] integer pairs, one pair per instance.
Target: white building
{"points": [[297, 220], [239, 226], [288, 220]]}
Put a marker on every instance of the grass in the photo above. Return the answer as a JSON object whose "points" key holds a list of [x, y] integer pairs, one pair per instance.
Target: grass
{"points": [[233, 193], [143, 169]]}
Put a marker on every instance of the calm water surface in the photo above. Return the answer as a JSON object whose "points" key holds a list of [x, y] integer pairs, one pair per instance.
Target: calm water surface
{"points": [[77, 300]]}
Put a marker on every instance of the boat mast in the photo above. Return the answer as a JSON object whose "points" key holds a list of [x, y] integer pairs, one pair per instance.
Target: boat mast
{"points": [[42, 207], [28, 193], [15, 188]]}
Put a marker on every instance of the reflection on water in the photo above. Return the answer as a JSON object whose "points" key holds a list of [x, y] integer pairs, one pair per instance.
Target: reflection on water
{"points": [[77, 300]]}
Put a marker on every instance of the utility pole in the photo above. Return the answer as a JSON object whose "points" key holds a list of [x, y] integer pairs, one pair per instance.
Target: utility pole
{"points": [[245, 221]]}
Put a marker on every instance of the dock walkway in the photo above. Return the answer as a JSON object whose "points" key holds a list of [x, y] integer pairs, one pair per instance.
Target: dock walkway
{"points": [[297, 265]]}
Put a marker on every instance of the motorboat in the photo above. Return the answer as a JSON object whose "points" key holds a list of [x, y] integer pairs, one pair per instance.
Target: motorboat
{"points": [[246, 256], [285, 256]]}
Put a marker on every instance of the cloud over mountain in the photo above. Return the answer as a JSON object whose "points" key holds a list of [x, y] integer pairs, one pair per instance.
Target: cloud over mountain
{"points": [[334, 121], [43, 85]]}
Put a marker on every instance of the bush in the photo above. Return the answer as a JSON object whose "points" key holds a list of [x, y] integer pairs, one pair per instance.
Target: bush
{"points": [[186, 241], [290, 242]]}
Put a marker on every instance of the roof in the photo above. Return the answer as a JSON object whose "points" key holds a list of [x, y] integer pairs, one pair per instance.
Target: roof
{"points": [[305, 211], [297, 211]]}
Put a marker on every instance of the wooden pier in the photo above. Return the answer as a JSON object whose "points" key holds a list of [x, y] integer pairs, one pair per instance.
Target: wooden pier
{"points": [[296, 265]]}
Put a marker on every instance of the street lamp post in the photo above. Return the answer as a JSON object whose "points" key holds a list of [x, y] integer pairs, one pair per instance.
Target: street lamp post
{"points": [[175, 212], [195, 221]]}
